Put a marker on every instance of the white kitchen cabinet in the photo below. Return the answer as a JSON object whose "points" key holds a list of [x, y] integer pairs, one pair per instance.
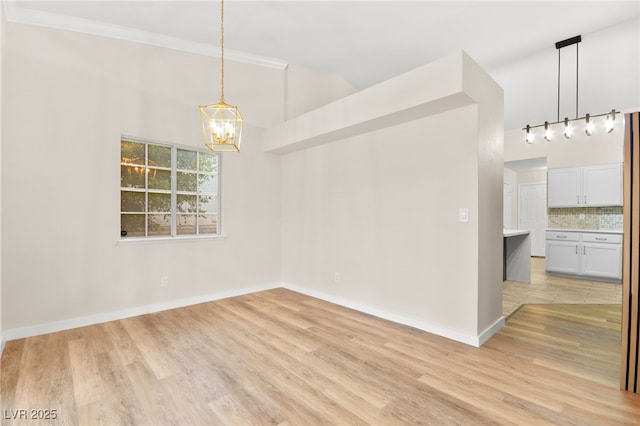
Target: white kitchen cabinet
{"points": [[596, 255], [563, 257], [564, 187], [601, 260], [602, 185], [589, 186]]}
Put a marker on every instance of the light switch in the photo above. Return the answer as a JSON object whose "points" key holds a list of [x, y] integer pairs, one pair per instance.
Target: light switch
{"points": [[463, 215]]}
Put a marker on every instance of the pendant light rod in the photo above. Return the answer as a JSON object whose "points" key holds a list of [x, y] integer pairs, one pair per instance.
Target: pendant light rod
{"points": [[575, 119], [558, 114], [577, 45], [559, 45]]}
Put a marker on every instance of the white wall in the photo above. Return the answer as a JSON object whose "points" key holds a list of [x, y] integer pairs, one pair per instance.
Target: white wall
{"points": [[386, 220], [490, 157], [400, 171], [370, 214], [68, 98], [539, 176], [308, 89], [512, 178]]}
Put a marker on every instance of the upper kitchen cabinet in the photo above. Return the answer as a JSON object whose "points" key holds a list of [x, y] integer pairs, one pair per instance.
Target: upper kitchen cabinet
{"points": [[589, 186], [564, 187], [602, 185]]}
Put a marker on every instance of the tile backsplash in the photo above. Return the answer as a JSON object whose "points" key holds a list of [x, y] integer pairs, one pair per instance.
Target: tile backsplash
{"points": [[594, 218]]}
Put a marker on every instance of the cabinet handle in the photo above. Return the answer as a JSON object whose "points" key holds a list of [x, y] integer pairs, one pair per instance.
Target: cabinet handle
{"points": [[601, 239], [585, 199], [576, 249], [584, 249], [577, 199], [561, 236]]}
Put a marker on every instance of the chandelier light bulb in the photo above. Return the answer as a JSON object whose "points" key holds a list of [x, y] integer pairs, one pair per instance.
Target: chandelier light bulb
{"points": [[610, 123], [529, 136], [547, 132], [223, 131], [589, 129], [568, 130]]}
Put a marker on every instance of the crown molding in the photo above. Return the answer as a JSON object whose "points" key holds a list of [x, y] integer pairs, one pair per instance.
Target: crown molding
{"points": [[16, 14]]}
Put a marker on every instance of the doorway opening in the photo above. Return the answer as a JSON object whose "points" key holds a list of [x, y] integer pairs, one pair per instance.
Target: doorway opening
{"points": [[549, 293]]}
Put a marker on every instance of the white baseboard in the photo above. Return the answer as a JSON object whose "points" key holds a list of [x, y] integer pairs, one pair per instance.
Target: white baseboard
{"points": [[490, 331], [468, 339], [52, 327]]}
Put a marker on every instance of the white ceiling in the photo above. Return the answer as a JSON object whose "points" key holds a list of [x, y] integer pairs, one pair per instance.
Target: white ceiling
{"points": [[366, 42]]}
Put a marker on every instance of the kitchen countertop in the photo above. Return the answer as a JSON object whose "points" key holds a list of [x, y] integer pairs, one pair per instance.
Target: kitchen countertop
{"points": [[513, 232], [599, 231]]}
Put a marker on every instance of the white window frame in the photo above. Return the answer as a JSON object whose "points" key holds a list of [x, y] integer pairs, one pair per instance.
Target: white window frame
{"points": [[174, 237]]}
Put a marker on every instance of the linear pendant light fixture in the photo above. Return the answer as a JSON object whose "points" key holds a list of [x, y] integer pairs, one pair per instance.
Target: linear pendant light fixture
{"points": [[567, 122], [221, 122]]}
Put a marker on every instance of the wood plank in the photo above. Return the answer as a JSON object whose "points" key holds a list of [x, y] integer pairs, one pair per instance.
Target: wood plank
{"points": [[254, 360]]}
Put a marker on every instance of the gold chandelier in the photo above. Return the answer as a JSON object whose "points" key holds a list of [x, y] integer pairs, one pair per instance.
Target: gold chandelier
{"points": [[221, 122]]}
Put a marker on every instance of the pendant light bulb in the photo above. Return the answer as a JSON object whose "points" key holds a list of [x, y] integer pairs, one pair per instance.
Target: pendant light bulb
{"points": [[547, 132], [529, 136], [568, 130], [589, 129], [610, 123]]}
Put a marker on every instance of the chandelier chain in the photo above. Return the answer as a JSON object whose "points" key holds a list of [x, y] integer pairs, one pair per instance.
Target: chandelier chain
{"points": [[222, 51]]}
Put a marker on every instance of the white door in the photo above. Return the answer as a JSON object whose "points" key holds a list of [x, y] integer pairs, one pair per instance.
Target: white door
{"points": [[506, 208], [532, 214]]}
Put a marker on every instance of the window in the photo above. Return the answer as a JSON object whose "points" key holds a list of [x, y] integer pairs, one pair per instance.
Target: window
{"points": [[167, 190]]}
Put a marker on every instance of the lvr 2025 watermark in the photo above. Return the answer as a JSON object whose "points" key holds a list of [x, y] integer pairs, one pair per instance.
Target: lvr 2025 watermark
{"points": [[30, 414]]}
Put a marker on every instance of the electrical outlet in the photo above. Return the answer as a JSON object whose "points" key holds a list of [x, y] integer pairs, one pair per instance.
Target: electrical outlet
{"points": [[336, 277], [164, 281]]}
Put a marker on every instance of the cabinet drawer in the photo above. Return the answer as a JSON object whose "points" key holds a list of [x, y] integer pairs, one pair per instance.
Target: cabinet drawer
{"points": [[562, 236], [602, 238]]}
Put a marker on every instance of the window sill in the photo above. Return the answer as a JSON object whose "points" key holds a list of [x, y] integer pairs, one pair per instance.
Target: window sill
{"points": [[163, 240]]}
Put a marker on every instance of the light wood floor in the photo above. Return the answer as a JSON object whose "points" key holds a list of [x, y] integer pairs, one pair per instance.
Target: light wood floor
{"points": [[552, 289], [279, 357]]}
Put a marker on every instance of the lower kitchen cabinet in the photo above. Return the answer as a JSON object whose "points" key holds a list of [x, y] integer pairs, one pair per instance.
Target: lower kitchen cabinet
{"points": [[586, 255], [602, 260], [562, 257]]}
